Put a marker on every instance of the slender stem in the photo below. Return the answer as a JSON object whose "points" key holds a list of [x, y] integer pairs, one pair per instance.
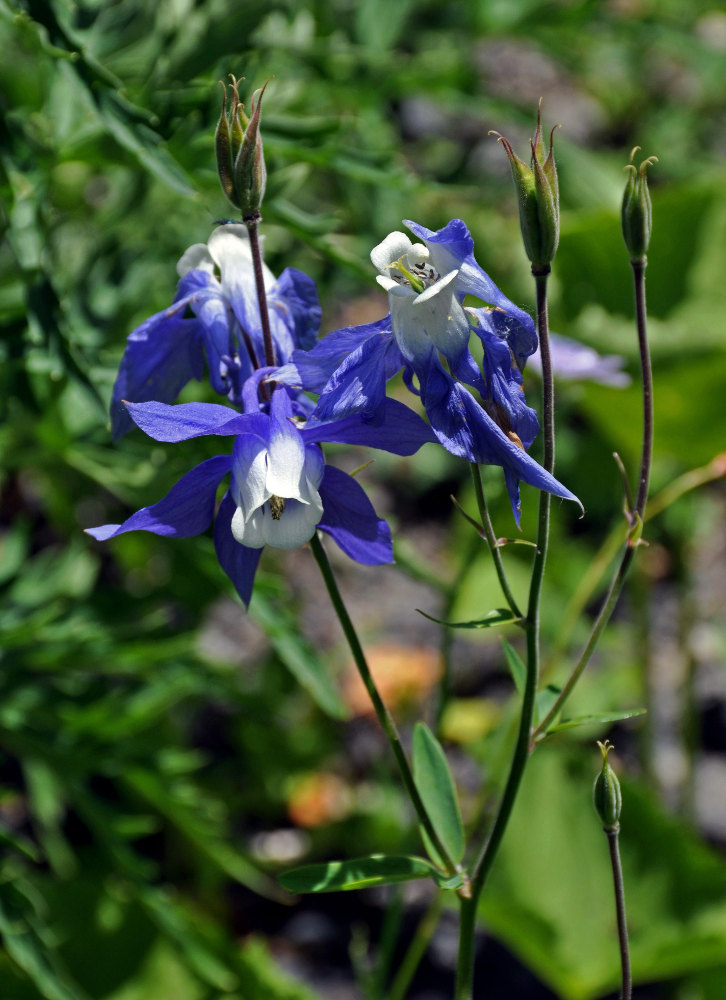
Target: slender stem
{"points": [[492, 540], [467, 952], [384, 716], [616, 585], [641, 320], [252, 224], [522, 746], [618, 885], [416, 950]]}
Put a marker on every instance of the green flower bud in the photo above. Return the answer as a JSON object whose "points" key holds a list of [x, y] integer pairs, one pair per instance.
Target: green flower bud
{"points": [[538, 196], [636, 214], [606, 793], [240, 159]]}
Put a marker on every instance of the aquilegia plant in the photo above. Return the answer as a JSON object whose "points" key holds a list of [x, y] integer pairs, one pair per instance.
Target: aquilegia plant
{"points": [[284, 394]]}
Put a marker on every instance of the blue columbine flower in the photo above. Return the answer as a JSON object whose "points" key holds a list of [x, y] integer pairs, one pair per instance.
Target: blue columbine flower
{"points": [[217, 287], [281, 491], [427, 335]]}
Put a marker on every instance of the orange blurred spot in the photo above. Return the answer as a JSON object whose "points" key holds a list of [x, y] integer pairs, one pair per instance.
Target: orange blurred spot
{"points": [[403, 674], [318, 799]]}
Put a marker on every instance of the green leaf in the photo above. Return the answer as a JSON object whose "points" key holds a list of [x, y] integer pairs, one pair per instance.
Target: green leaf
{"points": [[545, 700], [500, 616], [436, 788], [356, 873], [516, 667], [26, 941], [589, 720], [298, 656]]}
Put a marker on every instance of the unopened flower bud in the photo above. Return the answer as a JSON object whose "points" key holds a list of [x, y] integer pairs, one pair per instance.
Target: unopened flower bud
{"points": [[636, 214], [240, 159], [538, 196], [606, 793]]}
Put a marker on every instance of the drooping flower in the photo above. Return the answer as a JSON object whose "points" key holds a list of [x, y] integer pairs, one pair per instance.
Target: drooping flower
{"points": [[217, 287], [427, 335], [281, 491]]}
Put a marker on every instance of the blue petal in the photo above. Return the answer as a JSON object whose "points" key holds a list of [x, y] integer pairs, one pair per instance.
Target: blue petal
{"points": [[312, 369], [519, 337], [210, 306], [349, 518], [161, 356], [397, 429], [465, 429], [238, 561], [188, 420], [186, 510], [295, 298], [358, 385]]}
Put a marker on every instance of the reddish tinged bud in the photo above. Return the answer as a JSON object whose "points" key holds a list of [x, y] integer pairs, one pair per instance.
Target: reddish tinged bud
{"points": [[538, 197], [240, 158]]}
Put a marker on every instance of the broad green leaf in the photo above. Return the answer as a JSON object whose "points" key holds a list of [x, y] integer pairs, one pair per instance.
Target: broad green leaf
{"points": [[500, 616], [516, 667], [357, 873], [589, 720], [436, 788], [299, 657]]}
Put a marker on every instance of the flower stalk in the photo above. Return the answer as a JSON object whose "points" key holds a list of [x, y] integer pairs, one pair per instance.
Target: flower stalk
{"points": [[382, 712], [523, 745]]}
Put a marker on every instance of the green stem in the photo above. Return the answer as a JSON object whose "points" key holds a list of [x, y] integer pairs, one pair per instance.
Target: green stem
{"points": [[492, 540], [384, 716], [616, 585], [619, 887], [464, 989], [465, 972]]}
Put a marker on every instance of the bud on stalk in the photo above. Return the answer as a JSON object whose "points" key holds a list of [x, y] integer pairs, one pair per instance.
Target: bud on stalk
{"points": [[636, 214], [606, 793], [538, 196], [240, 159]]}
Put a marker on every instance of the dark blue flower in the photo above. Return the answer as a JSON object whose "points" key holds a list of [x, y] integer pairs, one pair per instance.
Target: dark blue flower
{"points": [[427, 335], [217, 288], [281, 491]]}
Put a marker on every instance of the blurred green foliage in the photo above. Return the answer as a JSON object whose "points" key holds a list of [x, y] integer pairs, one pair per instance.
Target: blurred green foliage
{"points": [[147, 730]]}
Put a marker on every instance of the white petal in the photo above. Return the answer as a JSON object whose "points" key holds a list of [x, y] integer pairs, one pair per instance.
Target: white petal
{"points": [[196, 258], [390, 250], [249, 473], [285, 463], [229, 247], [249, 532], [438, 312], [295, 526], [410, 335]]}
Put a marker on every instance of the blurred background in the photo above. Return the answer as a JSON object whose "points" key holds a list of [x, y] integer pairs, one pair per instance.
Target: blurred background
{"points": [[163, 754]]}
